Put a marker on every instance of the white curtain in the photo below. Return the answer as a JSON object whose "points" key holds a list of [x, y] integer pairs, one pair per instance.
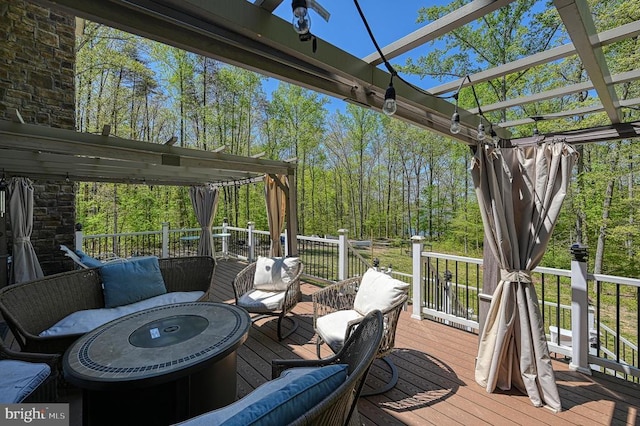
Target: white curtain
{"points": [[204, 200], [520, 191], [276, 199], [24, 265]]}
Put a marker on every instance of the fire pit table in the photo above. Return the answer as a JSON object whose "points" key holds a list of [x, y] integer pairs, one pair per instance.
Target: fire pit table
{"points": [[158, 366]]}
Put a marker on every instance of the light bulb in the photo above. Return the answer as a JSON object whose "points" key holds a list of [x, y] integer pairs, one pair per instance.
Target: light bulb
{"points": [[455, 123], [481, 133], [389, 105], [301, 19], [495, 138]]}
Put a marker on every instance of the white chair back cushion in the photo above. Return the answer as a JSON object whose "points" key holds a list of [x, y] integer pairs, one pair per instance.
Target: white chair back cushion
{"points": [[275, 273], [378, 291]]}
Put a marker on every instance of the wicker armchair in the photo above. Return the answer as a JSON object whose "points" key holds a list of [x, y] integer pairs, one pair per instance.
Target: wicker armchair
{"points": [[47, 391], [268, 303], [358, 352], [337, 312]]}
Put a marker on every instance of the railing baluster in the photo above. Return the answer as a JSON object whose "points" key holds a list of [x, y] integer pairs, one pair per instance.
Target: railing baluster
{"points": [[617, 341]]}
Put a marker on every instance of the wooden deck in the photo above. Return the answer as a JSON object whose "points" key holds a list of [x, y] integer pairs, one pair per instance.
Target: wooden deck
{"points": [[436, 384], [436, 369]]}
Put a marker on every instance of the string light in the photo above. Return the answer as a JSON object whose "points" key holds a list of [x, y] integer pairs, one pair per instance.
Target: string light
{"points": [[455, 117], [389, 105], [494, 136], [535, 119], [301, 19], [455, 121], [481, 133]]}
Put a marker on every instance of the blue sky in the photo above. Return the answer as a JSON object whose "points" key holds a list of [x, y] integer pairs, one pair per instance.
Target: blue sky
{"points": [[389, 21]]}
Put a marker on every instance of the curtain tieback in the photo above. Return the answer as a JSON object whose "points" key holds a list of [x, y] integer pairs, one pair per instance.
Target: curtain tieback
{"points": [[22, 240], [515, 276]]}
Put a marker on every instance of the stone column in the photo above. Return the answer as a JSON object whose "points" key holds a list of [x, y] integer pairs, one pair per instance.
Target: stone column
{"points": [[37, 61]]}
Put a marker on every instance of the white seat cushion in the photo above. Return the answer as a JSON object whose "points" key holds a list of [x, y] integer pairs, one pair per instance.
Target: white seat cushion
{"points": [[332, 327], [262, 301], [378, 290], [84, 321]]}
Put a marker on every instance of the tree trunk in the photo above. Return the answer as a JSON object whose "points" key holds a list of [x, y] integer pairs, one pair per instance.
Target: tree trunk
{"points": [[606, 208]]}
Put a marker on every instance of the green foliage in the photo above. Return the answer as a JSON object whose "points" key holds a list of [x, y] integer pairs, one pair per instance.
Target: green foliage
{"points": [[376, 176]]}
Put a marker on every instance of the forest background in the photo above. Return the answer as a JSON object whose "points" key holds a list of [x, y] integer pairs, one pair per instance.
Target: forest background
{"points": [[376, 176]]}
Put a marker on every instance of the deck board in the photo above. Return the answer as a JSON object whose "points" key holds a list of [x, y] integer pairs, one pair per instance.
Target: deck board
{"points": [[436, 375]]}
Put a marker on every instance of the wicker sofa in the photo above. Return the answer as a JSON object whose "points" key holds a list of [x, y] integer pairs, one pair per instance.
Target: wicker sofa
{"points": [[32, 307]]}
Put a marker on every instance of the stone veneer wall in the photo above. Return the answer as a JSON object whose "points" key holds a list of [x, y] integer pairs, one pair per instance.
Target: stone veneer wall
{"points": [[37, 61]]}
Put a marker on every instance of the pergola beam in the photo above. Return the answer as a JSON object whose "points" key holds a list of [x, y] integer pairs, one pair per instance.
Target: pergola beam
{"points": [[558, 92], [583, 136], [577, 19], [268, 5], [46, 150], [554, 116], [604, 38], [450, 22]]}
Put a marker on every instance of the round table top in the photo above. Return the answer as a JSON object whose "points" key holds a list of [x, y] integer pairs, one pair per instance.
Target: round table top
{"points": [[156, 345]]}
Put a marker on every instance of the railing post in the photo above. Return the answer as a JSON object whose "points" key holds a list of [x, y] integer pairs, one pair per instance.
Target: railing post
{"points": [[79, 237], [225, 240], [417, 296], [251, 243], [343, 264], [579, 311], [165, 239], [286, 245]]}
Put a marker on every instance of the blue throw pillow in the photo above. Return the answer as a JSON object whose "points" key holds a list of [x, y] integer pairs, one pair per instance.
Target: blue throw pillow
{"points": [[88, 260], [280, 401], [128, 282]]}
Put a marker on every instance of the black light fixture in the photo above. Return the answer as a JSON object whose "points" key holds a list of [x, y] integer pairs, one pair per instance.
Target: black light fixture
{"points": [[535, 119], [389, 107], [455, 118], [301, 19], [481, 133], [494, 136]]}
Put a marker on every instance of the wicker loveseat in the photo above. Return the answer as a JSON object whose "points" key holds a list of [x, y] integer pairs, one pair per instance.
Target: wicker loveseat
{"points": [[32, 307]]}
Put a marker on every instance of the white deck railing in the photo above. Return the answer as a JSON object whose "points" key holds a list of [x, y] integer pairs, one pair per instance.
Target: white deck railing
{"points": [[595, 334]]}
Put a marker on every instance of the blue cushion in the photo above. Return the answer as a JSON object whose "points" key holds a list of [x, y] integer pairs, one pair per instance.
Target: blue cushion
{"points": [[88, 260], [18, 379], [278, 401], [132, 281]]}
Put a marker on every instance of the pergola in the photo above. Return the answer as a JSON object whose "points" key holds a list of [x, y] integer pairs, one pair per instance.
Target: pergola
{"points": [[249, 35]]}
